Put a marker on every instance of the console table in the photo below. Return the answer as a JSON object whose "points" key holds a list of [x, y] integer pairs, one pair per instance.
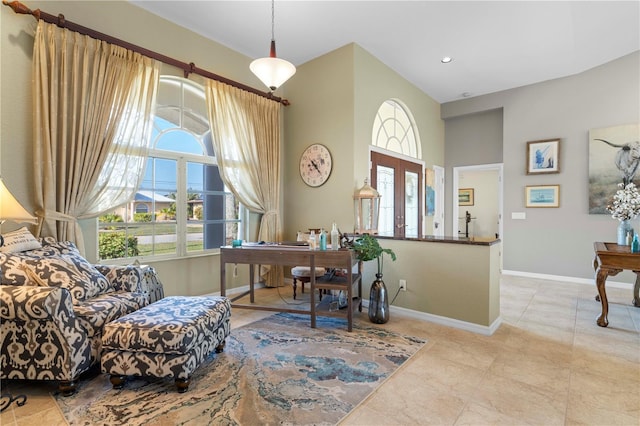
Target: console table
{"points": [[610, 260], [275, 254]]}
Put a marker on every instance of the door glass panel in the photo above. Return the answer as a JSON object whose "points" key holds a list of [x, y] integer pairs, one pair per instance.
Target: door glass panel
{"points": [[411, 204], [385, 187]]}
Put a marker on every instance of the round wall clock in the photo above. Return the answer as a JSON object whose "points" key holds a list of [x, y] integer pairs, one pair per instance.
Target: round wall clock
{"points": [[315, 165]]}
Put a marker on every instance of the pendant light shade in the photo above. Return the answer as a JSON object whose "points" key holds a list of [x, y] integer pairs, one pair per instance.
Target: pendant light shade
{"points": [[272, 71]]}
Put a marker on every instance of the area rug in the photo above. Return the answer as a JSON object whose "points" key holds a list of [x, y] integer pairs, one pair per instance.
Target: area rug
{"points": [[273, 371]]}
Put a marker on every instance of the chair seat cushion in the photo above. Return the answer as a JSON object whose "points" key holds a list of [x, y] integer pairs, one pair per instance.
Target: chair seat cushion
{"points": [[305, 271], [94, 313]]}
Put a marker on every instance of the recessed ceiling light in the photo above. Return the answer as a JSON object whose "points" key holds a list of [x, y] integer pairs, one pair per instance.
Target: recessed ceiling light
{"points": [[446, 59]]}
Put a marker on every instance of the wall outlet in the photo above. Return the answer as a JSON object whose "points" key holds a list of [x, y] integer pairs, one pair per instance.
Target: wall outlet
{"points": [[403, 285]]}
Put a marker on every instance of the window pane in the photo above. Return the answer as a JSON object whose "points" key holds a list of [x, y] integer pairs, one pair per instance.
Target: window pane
{"points": [[155, 238], [385, 187], [179, 141], [411, 204]]}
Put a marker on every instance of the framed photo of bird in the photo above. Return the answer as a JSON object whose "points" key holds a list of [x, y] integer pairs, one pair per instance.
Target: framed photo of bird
{"points": [[543, 157], [614, 158]]}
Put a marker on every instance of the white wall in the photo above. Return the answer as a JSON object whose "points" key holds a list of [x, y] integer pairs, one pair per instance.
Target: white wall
{"points": [[484, 212]]}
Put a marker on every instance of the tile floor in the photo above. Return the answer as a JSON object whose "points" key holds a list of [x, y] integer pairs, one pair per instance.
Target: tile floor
{"points": [[548, 364]]}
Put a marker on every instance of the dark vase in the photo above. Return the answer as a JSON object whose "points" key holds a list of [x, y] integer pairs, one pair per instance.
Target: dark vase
{"points": [[378, 302]]}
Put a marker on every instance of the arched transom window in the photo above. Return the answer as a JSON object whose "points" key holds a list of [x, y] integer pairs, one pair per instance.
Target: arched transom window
{"points": [[394, 130], [397, 178]]}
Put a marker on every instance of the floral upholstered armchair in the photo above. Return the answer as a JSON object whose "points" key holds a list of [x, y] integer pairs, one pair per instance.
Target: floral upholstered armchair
{"points": [[54, 305]]}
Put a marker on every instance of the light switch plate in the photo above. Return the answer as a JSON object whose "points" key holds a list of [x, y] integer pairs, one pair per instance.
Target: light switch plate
{"points": [[518, 215]]}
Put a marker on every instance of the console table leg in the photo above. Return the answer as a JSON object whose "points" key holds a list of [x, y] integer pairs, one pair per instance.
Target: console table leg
{"points": [[601, 278], [636, 290]]}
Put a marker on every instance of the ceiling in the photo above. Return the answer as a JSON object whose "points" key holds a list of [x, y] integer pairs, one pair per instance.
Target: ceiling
{"points": [[494, 45]]}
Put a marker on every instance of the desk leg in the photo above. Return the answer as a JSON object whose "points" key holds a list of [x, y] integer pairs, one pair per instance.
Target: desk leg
{"points": [[312, 297], [350, 300], [636, 290], [223, 278], [252, 276]]}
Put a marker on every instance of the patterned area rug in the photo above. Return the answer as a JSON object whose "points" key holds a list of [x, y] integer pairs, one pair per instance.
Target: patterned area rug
{"points": [[274, 371]]}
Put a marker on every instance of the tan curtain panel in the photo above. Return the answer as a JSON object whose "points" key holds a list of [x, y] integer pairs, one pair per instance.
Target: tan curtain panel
{"points": [[93, 108], [246, 139]]}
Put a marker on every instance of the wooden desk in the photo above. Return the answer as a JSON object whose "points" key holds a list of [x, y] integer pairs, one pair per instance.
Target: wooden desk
{"points": [[289, 255], [610, 260]]}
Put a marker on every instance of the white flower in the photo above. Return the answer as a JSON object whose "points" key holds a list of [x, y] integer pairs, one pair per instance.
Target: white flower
{"points": [[625, 204]]}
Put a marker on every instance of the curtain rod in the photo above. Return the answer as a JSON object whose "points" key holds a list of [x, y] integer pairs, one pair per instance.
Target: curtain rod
{"points": [[187, 68]]}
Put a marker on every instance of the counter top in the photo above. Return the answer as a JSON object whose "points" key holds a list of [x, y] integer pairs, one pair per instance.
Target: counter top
{"points": [[451, 240]]}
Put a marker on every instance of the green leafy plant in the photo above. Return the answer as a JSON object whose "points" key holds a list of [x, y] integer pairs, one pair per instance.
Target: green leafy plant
{"points": [[142, 217], [368, 248], [115, 245]]}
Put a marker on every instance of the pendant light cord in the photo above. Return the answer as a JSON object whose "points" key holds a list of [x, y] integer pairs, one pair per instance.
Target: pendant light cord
{"points": [[273, 19]]}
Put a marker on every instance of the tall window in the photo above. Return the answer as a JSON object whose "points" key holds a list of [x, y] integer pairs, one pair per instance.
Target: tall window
{"points": [[182, 206], [394, 174]]}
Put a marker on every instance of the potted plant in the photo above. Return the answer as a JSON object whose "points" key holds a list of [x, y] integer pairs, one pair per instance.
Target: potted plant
{"points": [[368, 248]]}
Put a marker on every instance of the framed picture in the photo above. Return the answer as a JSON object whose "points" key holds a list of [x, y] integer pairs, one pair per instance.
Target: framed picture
{"points": [[543, 157], [613, 159], [542, 196], [465, 197], [429, 192]]}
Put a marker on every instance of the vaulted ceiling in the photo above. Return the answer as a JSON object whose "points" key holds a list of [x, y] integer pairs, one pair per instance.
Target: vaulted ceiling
{"points": [[495, 45]]}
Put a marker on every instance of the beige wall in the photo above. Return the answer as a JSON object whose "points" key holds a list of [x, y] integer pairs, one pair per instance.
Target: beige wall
{"points": [[450, 280], [125, 21], [333, 102]]}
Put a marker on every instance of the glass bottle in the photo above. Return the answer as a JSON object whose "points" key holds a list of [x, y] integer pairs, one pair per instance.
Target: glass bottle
{"points": [[323, 239], [335, 237], [312, 240]]}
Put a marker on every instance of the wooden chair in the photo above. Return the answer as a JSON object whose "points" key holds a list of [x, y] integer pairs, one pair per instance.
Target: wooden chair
{"points": [[303, 274]]}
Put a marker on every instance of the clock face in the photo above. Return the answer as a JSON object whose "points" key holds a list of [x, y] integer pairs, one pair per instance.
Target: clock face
{"points": [[315, 165]]}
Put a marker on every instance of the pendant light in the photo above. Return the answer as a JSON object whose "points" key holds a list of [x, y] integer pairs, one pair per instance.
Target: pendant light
{"points": [[272, 71]]}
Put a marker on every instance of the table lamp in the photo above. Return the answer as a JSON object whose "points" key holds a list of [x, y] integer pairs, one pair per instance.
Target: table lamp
{"points": [[10, 209]]}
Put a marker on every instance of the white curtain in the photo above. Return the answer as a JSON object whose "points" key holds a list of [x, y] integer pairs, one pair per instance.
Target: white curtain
{"points": [[246, 139], [93, 110]]}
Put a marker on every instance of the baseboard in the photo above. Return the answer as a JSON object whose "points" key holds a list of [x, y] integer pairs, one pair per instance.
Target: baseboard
{"points": [[448, 322], [561, 278]]}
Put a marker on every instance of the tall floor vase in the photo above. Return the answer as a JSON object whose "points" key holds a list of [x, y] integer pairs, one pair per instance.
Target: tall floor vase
{"points": [[624, 228], [378, 302]]}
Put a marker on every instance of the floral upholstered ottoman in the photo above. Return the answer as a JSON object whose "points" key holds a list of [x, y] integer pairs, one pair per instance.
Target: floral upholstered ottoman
{"points": [[168, 338]]}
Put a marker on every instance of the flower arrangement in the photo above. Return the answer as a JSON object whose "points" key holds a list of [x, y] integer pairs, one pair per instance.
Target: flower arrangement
{"points": [[625, 204]]}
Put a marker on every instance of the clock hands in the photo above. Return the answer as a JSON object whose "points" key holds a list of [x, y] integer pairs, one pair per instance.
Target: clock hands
{"points": [[315, 166]]}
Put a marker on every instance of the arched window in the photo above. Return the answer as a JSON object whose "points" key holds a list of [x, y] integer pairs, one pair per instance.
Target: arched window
{"points": [[397, 171], [192, 210]]}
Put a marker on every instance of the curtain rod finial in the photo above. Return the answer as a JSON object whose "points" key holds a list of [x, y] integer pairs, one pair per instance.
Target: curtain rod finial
{"points": [[21, 8]]}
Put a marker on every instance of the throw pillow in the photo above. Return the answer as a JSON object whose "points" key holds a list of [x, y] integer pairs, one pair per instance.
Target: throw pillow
{"points": [[18, 241], [67, 270]]}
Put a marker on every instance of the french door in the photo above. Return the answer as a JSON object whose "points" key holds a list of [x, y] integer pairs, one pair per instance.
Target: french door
{"points": [[399, 183]]}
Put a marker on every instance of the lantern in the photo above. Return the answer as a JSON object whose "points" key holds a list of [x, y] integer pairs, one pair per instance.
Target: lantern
{"points": [[366, 203]]}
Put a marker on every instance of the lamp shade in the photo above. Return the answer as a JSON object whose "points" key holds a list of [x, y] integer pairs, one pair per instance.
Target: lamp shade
{"points": [[10, 208], [272, 71], [366, 203]]}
